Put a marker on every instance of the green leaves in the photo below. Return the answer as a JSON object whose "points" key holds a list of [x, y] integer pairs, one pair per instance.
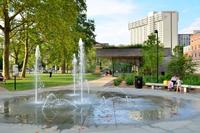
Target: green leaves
{"points": [[181, 66], [55, 25], [150, 55]]}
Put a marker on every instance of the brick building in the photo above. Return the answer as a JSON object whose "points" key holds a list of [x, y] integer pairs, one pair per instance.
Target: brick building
{"points": [[193, 50]]}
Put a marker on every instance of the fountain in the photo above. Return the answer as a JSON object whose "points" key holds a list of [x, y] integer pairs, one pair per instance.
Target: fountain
{"points": [[87, 86], [74, 61], [81, 66], [36, 72], [97, 108]]}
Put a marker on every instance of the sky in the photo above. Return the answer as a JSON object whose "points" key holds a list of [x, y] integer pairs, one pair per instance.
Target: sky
{"points": [[112, 16]]}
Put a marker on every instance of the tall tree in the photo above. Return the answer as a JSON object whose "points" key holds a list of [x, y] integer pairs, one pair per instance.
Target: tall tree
{"points": [[85, 27], [56, 25], [180, 64], [150, 55], [56, 20], [9, 12]]}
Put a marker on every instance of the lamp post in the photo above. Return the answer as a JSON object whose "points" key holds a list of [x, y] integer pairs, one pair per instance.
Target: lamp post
{"points": [[156, 32]]}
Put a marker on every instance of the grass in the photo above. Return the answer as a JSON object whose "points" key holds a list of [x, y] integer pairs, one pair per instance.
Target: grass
{"points": [[55, 80]]}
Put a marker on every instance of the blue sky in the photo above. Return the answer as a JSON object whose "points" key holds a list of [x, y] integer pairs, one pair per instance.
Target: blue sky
{"points": [[112, 16]]}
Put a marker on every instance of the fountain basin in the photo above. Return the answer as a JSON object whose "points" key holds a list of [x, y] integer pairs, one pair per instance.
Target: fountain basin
{"points": [[99, 109]]}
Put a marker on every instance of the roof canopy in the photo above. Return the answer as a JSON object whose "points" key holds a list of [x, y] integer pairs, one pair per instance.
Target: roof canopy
{"points": [[119, 52]]}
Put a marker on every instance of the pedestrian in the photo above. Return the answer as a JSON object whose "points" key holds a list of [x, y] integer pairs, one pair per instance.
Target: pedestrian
{"points": [[50, 72]]}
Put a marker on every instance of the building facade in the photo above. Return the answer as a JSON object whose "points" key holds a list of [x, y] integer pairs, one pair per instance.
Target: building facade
{"points": [[193, 50], [184, 39], [166, 22]]}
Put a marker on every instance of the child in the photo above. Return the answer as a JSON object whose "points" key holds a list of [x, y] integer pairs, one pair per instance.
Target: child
{"points": [[170, 85], [178, 87]]}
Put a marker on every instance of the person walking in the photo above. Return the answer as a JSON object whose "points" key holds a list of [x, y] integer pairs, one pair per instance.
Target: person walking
{"points": [[50, 72]]}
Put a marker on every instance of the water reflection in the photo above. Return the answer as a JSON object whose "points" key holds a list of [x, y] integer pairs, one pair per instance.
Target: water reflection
{"points": [[108, 109], [6, 109]]}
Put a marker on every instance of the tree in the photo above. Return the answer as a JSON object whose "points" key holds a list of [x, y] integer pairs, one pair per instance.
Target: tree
{"points": [[180, 64], [56, 21], [9, 11], [149, 53], [56, 25], [178, 51], [91, 60]]}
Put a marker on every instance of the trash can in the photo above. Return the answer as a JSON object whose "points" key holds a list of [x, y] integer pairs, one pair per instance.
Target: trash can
{"points": [[138, 82]]}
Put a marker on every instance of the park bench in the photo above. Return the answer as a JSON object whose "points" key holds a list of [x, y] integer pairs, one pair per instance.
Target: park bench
{"points": [[185, 87], [154, 85]]}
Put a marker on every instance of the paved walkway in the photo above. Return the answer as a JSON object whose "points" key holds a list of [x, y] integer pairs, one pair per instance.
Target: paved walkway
{"points": [[102, 81], [189, 125], [3, 90]]}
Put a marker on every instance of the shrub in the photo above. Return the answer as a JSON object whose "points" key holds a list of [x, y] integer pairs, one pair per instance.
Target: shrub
{"points": [[129, 79], [117, 81], [122, 76], [191, 80]]}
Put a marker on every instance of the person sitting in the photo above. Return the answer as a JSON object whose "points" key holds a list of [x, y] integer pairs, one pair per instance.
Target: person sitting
{"points": [[174, 79], [170, 85], [178, 87]]}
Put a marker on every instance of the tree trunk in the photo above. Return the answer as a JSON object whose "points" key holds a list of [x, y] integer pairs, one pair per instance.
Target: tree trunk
{"points": [[26, 54], [6, 44], [63, 67], [6, 59], [67, 68]]}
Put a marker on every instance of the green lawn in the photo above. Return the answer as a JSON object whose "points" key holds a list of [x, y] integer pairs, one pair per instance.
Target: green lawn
{"points": [[55, 80]]}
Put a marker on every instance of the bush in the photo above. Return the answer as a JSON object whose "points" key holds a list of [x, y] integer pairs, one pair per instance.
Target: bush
{"points": [[117, 81], [122, 76], [191, 80], [153, 79], [129, 79]]}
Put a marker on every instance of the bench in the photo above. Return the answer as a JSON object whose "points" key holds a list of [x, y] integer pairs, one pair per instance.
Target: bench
{"points": [[153, 85], [185, 87]]}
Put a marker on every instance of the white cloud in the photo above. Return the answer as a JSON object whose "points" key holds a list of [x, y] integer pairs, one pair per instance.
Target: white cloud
{"points": [[111, 19], [113, 32], [108, 7], [194, 26]]}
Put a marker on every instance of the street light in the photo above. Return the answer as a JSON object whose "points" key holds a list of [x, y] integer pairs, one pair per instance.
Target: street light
{"points": [[156, 32]]}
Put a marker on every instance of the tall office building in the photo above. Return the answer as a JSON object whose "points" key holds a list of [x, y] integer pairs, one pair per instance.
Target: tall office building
{"points": [[184, 39], [166, 22]]}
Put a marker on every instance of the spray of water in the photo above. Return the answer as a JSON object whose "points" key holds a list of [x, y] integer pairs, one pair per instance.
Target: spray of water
{"points": [[74, 62], [36, 72], [81, 66]]}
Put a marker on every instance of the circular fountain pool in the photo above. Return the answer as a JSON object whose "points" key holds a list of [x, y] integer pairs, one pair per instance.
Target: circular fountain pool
{"points": [[98, 109]]}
